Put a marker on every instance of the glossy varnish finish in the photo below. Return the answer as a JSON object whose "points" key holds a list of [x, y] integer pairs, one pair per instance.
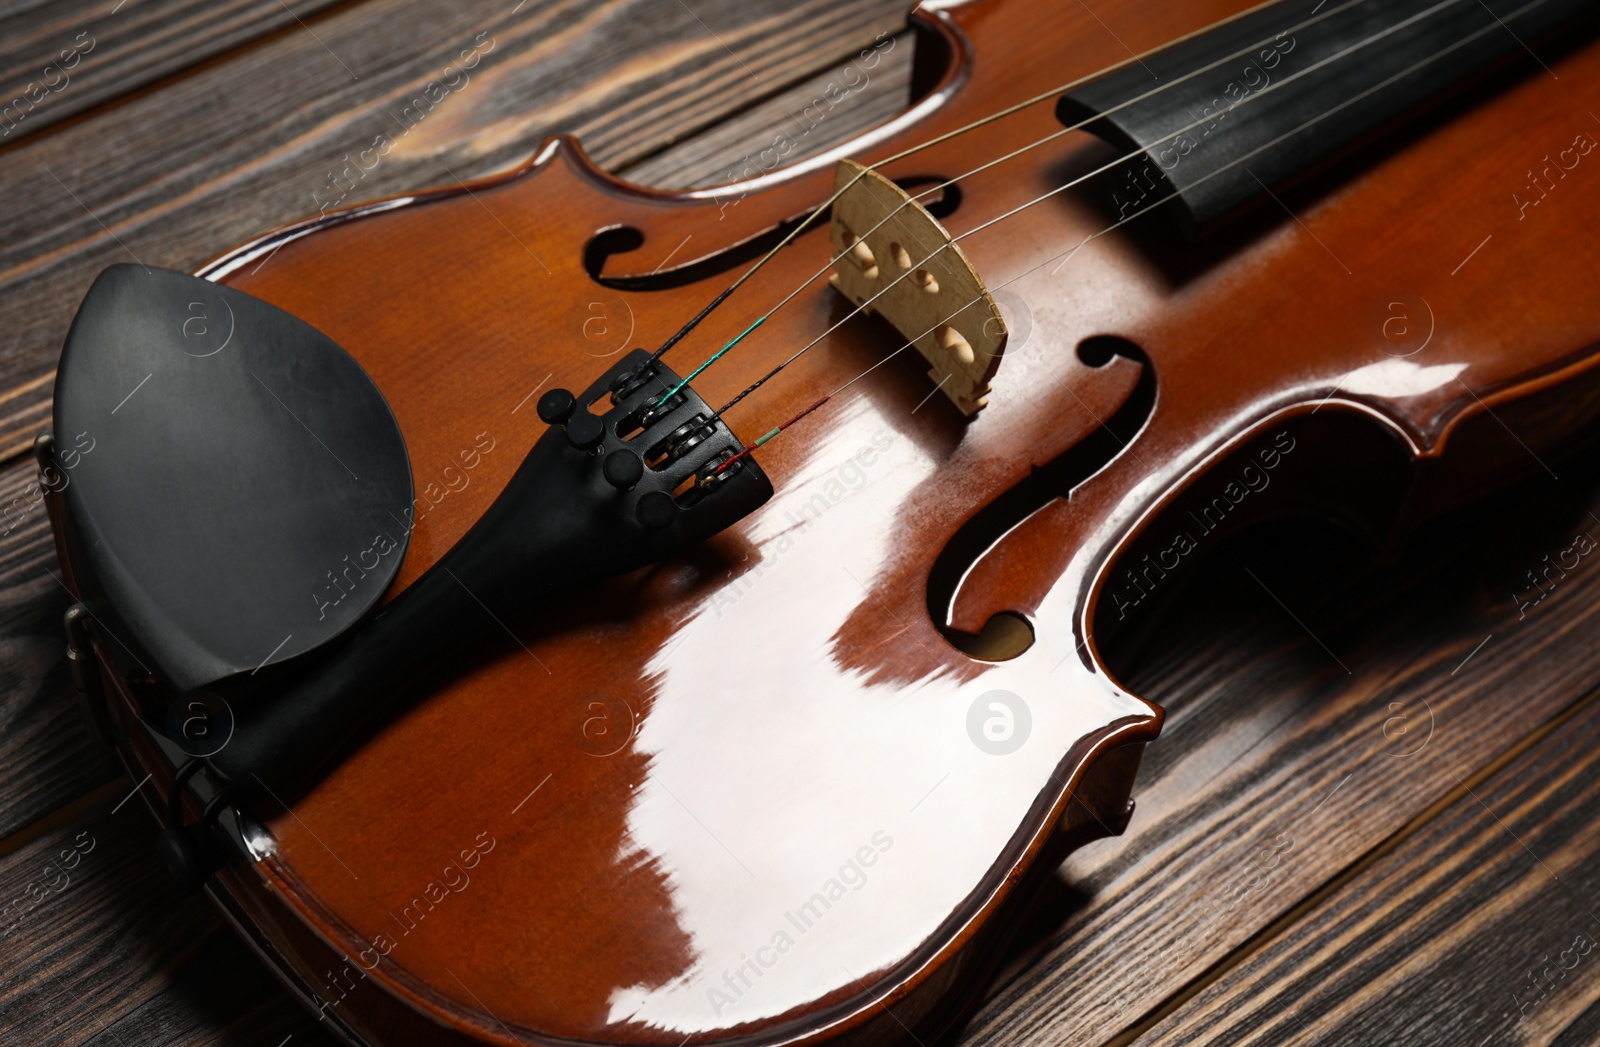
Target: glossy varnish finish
{"points": [[784, 708]]}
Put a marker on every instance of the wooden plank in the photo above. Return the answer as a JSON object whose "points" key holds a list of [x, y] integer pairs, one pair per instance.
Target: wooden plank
{"points": [[1478, 928], [65, 57], [98, 946], [1277, 768], [46, 754], [798, 123], [206, 161], [1269, 765], [216, 991], [1130, 923]]}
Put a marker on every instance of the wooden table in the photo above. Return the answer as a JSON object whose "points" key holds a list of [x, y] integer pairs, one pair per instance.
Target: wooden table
{"points": [[1371, 816]]}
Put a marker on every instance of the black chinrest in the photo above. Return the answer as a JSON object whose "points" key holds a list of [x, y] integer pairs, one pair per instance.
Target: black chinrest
{"points": [[237, 489]]}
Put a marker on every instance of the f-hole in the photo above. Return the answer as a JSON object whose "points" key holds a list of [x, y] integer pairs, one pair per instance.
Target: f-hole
{"points": [[1005, 635], [615, 239], [1055, 479], [626, 239]]}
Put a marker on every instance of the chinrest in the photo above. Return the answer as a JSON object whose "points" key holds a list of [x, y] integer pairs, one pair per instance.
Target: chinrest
{"points": [[236, 486]]}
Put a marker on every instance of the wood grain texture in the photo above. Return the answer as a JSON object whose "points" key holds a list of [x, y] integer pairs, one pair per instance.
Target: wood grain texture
{"points": [[1263, 727], [1275, 771], [1479, 928], [65, 57], [725, 150], [1253, 704], [46, 754], [178, 174], [215, 991], [98, 946]]}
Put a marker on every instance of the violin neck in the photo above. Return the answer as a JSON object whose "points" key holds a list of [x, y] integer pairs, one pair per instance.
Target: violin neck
{"points": [[1256, 101]]}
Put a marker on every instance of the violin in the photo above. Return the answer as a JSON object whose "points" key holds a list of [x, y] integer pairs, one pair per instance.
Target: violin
{"points": [[532, 643]]}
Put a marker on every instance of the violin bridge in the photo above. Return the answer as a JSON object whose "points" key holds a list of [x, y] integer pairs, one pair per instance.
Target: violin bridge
{"points": [[897, 257]]}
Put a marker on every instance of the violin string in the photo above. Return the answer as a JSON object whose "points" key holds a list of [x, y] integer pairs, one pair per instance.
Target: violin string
{"points": [[1017, 107], [1109, 165], [1067, 254], [792, 295]]}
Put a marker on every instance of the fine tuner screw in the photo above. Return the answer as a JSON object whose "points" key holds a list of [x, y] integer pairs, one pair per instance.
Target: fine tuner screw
{"points": [[556, 406]]}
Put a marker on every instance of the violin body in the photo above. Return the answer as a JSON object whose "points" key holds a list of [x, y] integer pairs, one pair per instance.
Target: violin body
{"points": [[794, 785]]}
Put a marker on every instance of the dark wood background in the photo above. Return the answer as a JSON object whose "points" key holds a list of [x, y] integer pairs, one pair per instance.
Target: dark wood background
{"points": [[1370, 819]]}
